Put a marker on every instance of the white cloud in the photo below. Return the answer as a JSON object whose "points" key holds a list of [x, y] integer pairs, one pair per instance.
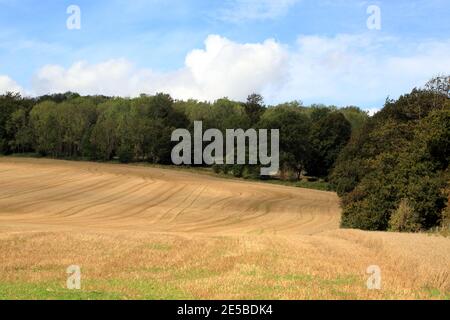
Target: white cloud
{"points": [[226, 68], [343, 70], [240, 10], [113, 77], [361, 69], [7, 84], [223, 68]]}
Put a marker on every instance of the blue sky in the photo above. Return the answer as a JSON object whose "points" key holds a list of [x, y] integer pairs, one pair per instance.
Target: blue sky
{"points": [[315, 51]]}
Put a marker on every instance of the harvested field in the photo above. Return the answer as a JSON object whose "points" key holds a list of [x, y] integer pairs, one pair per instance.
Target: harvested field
{"points": [[148, 233]]}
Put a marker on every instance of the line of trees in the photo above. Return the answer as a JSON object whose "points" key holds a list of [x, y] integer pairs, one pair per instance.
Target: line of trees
{"points": [[139, 129], [391, 170]]}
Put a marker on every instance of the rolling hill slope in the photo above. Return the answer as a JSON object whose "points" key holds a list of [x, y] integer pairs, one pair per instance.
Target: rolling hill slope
{"points": [[147, 233]]}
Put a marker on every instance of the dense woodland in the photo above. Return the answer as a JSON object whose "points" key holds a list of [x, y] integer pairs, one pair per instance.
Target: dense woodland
{"points": [[390, 170]]}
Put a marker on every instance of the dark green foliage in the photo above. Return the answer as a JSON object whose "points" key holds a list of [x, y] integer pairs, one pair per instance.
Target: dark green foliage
{"points": [[295, 130], [125, 154], [356, 117], [395, 171], [14, 134], [254, 107], [58, 97], [329, 135], [427, 201]]}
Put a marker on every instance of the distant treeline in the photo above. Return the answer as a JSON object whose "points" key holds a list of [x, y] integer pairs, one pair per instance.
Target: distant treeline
{"points": [[139, 129], [391, 170]]}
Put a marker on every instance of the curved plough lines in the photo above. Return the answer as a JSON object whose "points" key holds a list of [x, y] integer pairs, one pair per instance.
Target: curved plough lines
{"points": [[89, 195]]}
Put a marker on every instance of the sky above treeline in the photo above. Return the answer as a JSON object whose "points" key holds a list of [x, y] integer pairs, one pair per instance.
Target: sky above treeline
{"points": [[340, 52]]}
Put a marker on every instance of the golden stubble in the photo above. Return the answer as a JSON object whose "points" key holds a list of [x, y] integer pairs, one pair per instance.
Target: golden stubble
{"points": [[136, 230]]}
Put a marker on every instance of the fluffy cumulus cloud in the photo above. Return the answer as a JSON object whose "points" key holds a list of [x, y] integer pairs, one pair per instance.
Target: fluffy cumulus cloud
{"points": [[345, 69], [9, 85], [222, 69], [226, 68], [113, 77]]}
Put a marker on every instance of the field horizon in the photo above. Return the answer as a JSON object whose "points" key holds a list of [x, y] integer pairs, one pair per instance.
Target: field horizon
{"points": [[152, 233]]}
